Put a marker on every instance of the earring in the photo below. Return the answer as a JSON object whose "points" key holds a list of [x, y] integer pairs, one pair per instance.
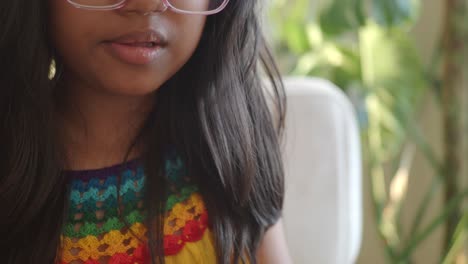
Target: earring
{"points": [[52, 69]]}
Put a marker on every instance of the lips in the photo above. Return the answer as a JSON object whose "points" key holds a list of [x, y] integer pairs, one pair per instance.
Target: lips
{"points": [[140, 44], [138, 48], [141, 38]]}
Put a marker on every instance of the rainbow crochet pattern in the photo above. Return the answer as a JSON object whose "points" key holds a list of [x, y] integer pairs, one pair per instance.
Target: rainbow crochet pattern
{"points": [[94, 233]]}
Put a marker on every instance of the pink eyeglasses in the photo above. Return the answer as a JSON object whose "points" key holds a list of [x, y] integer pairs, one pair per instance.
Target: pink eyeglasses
{"points": [[190, 7]]}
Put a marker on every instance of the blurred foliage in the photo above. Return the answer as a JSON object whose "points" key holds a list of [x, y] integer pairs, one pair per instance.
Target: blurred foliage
{"points": [[365, 47]]}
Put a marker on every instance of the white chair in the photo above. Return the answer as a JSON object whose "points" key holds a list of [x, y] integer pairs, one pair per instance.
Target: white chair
{"points": [[322, 210]]}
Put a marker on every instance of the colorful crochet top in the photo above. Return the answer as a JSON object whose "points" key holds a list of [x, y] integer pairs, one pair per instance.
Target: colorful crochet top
{"points": [[95, 234]]}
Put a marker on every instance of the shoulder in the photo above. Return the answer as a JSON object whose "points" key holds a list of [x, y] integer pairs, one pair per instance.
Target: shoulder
{"points": [[273, 248]]}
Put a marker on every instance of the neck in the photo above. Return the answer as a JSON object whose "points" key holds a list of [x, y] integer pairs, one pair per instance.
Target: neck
{"points": [[99, 128]]}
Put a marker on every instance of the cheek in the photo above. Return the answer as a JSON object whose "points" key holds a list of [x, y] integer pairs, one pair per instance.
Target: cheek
{"points": [[71, 31], [187, 37], [69, 25]]}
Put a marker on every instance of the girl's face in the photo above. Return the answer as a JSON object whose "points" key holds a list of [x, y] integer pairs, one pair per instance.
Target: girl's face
{"points": [[98, 47]]}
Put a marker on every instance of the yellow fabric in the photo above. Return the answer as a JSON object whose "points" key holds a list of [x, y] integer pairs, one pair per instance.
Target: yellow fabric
{"points": [[202, 251]]}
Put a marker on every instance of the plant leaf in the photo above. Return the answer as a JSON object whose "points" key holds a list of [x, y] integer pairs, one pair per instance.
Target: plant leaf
{"points": [[341, 16], [390, 13], [392, 71]]}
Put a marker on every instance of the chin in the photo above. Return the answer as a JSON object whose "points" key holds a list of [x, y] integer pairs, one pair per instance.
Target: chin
{"points": [[131, 88], [135, 91]]}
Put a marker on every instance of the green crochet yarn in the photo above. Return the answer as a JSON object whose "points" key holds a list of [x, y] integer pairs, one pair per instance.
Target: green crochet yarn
{"points": [[113, 223]]}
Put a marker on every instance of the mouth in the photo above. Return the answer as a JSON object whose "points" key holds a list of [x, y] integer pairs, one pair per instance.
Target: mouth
{"points": [[137, 53], [140, 44], [144, 44], [137, 47], [141, 38]]}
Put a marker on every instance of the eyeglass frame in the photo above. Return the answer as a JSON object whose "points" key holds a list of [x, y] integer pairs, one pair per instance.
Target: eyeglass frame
{"points": [[166, 4]]}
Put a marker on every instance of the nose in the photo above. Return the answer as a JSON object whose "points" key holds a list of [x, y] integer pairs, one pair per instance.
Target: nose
{"points": [[144, 7]]}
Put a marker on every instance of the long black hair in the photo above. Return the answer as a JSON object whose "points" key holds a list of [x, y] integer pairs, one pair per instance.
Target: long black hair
{"points": [[221, 118]]}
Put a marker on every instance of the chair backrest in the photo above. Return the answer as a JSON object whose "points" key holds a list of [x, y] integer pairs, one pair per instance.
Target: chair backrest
{"points": [[323, 203]]}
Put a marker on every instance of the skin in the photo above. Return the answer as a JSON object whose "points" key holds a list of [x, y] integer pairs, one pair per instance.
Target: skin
{"points": [[106, 95], [79, 33], [273, 248]]}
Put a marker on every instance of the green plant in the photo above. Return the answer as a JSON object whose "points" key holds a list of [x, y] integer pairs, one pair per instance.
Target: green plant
{"points": [[365, 47]]}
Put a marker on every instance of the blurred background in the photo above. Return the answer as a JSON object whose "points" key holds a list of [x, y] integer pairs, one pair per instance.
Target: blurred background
{"points": [[403, 64]]}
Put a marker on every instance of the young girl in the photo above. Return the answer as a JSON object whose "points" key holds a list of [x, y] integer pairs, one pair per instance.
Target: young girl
{"points": [[138, 131]]}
